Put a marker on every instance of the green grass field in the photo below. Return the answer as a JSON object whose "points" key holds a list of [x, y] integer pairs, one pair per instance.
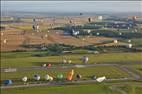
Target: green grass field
{"points": [[137, 42], [69, 89], [21, 59], [87, 73], [132, 88], [94, 88], [137, 67]]}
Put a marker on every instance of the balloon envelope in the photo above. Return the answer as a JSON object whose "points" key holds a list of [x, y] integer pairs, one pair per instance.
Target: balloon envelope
{"points": [[24, 79], [50, 78], [100, 79], [37, 77], [70, 75], [60, 76], [47, 77], [7, 82]]}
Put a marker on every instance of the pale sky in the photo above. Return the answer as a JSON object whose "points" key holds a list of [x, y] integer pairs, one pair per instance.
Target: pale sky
{"points": [[72, 6]]}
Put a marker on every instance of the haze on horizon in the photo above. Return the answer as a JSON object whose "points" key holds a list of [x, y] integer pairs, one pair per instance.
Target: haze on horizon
{"points": [[71, 6]]}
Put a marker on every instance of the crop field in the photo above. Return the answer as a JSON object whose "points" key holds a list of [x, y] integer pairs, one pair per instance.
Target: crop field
{"points": [[17, 38]]}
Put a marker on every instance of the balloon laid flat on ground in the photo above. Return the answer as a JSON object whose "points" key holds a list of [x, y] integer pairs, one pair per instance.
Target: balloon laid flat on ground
{"points": [[100, 79]]}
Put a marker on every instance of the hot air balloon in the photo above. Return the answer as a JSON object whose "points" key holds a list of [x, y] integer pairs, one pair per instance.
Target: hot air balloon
{"points": [[64, 61], [78, 76], [85, 59], [37, 77], [5, 41], [69, 61], [70, 75], [88, 31], [46, 35], [50, 78], [94, 77], [7, 82], [98, 34], [115, 41], [89, 20], [24, 79], [130, 45], [100, 17], [60, 76], [2, 34], [129, 41], [100, 79], [120, 33], [81, 14], [44, 65], [47, 77], [49, 65]]}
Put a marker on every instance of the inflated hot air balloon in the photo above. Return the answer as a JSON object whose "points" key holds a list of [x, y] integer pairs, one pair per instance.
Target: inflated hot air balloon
{"points": [[50, 78], [24, 79], [85, 59], [60, 76], [130, 45], [49, 65], [94, 77], [115, 41], [129, 41], [70, 75], [7, 82], [5, 41], [78, 76], [44, 65], [64, 61], [47, 77], [37, 77], [89, 20], [69, 61]]}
